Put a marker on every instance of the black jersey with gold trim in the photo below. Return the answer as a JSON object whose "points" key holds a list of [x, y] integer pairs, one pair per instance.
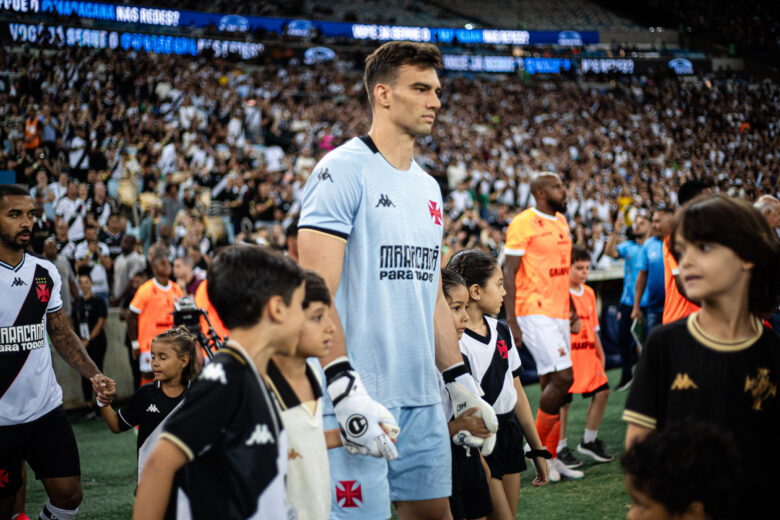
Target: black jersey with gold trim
{"points": [[28, 388], [229, 427], [683, 374]]}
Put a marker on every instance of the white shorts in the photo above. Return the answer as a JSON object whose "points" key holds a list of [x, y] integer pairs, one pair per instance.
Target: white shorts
{"points": [[548, 340], [145, 361]]}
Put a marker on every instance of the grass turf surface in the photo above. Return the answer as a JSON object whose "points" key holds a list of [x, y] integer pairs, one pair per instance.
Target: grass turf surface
{"points": [[108, 468]]}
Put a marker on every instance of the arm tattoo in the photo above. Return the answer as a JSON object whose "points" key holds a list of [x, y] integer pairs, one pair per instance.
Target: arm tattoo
{"points": [[68, 345]]}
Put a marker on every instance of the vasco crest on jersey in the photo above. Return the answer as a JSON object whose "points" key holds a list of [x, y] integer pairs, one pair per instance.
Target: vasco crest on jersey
{"points": [[42, 289]]}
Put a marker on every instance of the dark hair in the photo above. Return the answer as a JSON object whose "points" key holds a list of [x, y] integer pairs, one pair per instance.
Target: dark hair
{"points": [[316, 289], [157, 252], [383, 64], [685, 463], [663, 208], [735, 224], [85, 271], [691, 189], [449, 280], [579, 253], [476, 267], [183, 343], [242, 278], [12, 190]]}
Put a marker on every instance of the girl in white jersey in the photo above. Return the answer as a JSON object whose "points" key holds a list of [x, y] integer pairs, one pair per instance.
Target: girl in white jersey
{"points": [[470, 497], [489, 349]]}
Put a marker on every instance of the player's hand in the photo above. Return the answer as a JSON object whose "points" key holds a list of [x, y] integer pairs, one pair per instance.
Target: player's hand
{"points": [[542, 472], [464, 394], [636, 313], [517, 334], [105, 387], [366, 427], [472, 424]]}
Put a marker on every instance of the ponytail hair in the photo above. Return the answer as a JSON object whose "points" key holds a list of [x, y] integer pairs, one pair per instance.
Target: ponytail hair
{"points": [[476, 267]]}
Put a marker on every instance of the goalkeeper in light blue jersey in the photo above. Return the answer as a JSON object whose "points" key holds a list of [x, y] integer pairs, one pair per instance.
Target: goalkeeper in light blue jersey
{"points": [[371, 225]]}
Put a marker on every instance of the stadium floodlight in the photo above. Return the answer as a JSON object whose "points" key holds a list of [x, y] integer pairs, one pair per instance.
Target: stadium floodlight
{"points": [[469, 26]]}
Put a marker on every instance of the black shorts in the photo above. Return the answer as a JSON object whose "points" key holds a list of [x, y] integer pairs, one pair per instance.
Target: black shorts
{"points": [[470, 492], [47, 444], [588, 395], [507, 456]]}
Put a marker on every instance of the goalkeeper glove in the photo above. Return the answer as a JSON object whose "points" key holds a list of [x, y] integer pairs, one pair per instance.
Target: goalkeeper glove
{"points": [[464, 394], [366, 427]]}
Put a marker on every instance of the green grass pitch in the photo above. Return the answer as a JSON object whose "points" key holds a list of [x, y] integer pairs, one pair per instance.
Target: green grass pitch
{"points": [[108, 467]]}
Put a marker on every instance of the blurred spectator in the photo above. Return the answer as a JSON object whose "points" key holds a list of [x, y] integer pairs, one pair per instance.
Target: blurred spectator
{"points": [[93, 258], [72, 210], [68, 289], [113, 234], [127, 264], [184, 276]]}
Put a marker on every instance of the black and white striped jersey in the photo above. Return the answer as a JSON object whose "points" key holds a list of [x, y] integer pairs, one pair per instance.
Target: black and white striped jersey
{"points": [[28, 387], [493, 360]]}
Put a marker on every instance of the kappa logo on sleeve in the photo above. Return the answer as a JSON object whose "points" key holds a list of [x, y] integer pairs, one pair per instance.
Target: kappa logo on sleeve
{"points": [[261, 435], [324, 175], [214, 372]]}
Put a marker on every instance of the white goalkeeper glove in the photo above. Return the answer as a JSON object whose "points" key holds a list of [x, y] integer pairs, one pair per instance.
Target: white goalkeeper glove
{"points": [[464, 395], [366, 427]]}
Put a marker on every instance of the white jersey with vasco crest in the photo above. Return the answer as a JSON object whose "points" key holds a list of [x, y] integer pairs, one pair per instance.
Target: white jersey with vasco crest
{"points": [[28, 387], [494, 361], [392, 222]]}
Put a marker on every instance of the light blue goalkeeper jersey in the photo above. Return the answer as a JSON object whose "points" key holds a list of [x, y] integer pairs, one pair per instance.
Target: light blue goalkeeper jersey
{"points": [[392, 223]]}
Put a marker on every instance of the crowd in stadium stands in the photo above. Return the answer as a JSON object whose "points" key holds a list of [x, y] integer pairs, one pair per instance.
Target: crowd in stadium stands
{"points": [[195, 153]]}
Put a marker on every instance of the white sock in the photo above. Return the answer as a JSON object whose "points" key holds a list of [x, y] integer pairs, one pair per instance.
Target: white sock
{"points": [[590, 435], [562, 444], [51, 512]]}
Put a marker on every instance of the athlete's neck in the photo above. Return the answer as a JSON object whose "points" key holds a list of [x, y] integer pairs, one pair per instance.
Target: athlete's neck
{"points": [[162, 281], [576, 287], [292, 367], [256, 344], [727, 318], [11, 256], [395, 146], [173, 387], [545, 208]]}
